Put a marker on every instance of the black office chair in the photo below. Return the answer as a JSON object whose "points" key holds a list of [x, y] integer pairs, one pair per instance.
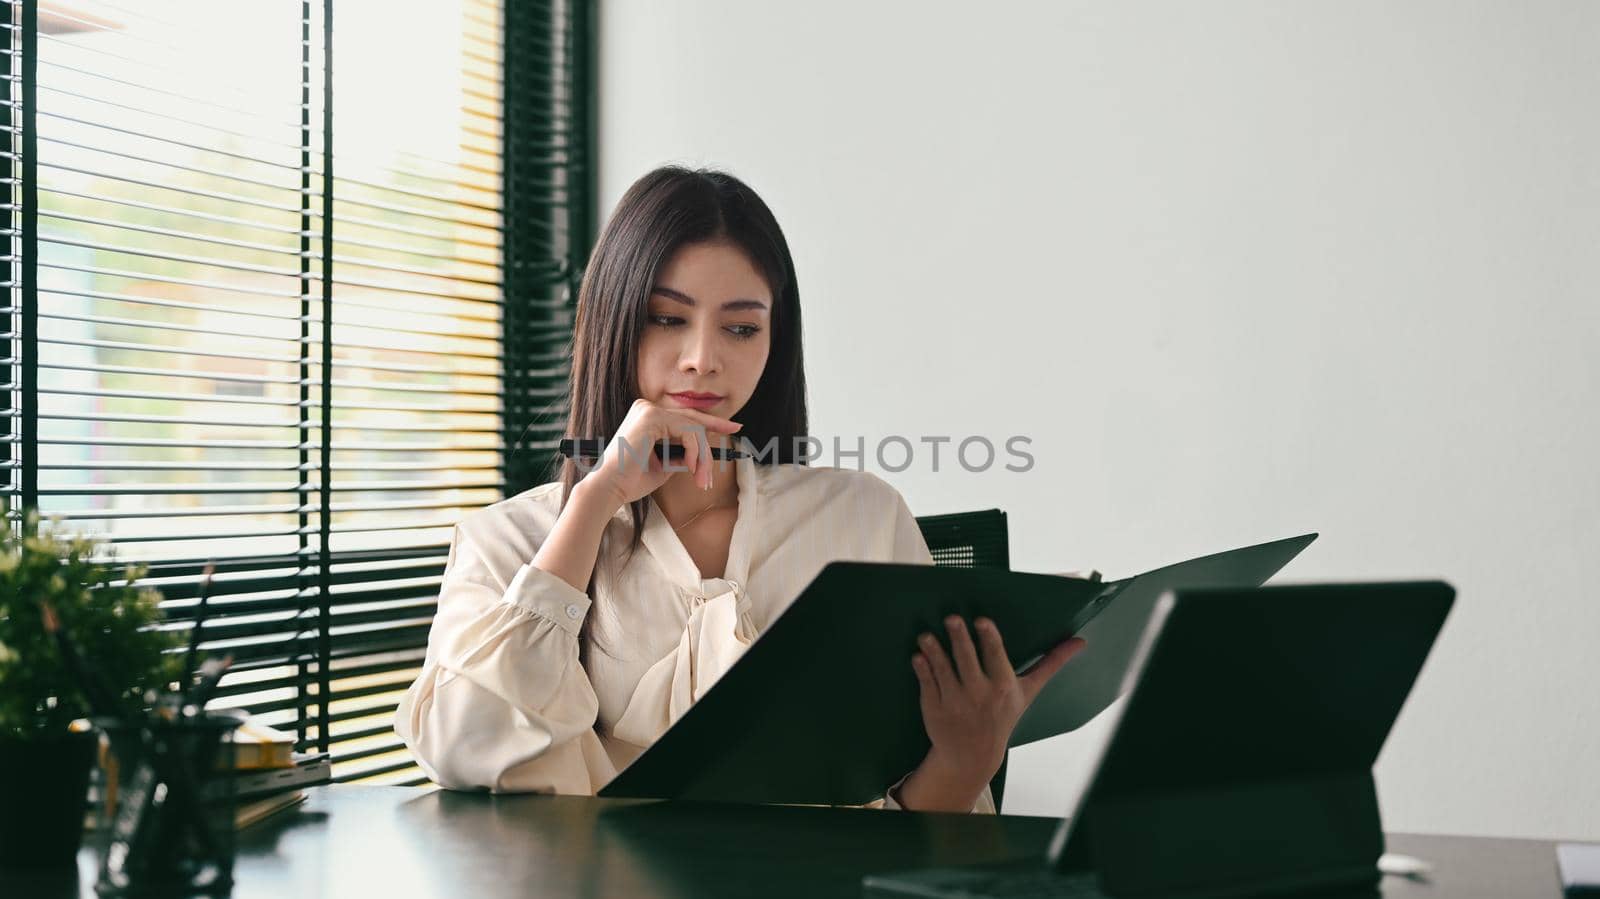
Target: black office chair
{"points": [[970, 540]]}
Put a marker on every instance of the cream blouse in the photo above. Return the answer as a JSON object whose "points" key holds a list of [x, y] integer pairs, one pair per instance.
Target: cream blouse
{"points": [[503, 703]]}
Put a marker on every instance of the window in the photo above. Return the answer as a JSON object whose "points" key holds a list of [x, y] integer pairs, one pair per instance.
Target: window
{"points": [[261, 312]]}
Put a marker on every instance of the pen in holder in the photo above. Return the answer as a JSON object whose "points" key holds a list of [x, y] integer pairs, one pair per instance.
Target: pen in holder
{"points": [[168, 825], [166, 822]]}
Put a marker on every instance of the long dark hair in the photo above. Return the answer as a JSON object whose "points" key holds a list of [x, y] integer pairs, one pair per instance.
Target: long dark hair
{"points": [[664, 210]]}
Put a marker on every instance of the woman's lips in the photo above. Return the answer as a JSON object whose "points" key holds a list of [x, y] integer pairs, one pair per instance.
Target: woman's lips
{"points": [[696, 402]]}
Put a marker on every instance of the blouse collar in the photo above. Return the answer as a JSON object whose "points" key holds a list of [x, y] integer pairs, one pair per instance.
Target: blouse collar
{"points": [[669, 551]]}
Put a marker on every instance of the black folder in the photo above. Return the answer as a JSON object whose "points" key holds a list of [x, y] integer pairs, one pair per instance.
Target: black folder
{"points": [[822, 708]]}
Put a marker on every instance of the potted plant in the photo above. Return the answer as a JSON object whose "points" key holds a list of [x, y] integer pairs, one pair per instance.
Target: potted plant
{"points": [[46, 749]]}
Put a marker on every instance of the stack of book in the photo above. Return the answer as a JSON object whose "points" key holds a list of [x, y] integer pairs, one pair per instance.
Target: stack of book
{"points": [[268, 776]]}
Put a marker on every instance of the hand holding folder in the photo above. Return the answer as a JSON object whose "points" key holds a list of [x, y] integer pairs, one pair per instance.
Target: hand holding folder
{"points": [[790, 723], [971, 700]]}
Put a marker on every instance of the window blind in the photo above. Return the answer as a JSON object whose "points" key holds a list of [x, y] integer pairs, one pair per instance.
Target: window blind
{"points": [[272, 306], [11, 126], [549, 196]]}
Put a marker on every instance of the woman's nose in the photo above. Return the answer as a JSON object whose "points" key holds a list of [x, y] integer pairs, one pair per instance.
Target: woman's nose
{"points": [[700, 352]]}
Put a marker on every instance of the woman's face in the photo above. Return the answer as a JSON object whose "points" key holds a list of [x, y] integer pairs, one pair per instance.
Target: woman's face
{"points": [[706, 331]]}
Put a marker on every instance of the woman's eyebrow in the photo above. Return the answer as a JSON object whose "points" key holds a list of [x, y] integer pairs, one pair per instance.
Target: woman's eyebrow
{"points": [[690, 301]]}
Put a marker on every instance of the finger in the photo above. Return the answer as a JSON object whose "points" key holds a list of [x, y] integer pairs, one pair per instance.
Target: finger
{"points": [[646, 450], [995, 662], [688, 435], [726, 425], [655, 464], [631, 451], [622, 452], [694, 441], [706, 461], [697, 443], [961, 647], [1034, 680], [659, 452], [929, 686], [693, 453], [940, 663], [656, 425]]}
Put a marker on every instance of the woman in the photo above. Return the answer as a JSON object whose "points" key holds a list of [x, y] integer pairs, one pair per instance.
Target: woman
{"points": [[559, 651]]}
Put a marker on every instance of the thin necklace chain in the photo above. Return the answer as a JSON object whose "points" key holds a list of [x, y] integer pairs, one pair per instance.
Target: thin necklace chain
{"points": [[680, 527], [713, 505]]}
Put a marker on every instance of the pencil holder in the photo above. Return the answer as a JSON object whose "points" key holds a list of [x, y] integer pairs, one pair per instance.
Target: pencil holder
{"points": [[166, 826]]}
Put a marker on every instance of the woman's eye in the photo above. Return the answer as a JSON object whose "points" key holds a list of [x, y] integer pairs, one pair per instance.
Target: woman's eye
{"points": [[742, 332]]}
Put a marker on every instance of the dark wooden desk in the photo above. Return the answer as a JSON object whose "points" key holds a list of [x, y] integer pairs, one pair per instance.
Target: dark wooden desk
{"points": [[390, 842]]}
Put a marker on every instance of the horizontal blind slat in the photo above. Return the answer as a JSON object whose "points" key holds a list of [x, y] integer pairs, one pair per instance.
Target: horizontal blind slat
{"points": [[179, 443]]}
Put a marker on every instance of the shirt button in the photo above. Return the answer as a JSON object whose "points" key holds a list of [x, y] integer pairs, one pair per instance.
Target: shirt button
{"points": [[573, 611]]}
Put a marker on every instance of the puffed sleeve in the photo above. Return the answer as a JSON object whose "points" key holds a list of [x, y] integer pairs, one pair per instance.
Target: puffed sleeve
{"points": [[502, 702], [909, 546]]}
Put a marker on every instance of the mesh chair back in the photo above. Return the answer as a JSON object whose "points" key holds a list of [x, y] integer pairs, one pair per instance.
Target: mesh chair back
{"points": [[967, 539]]}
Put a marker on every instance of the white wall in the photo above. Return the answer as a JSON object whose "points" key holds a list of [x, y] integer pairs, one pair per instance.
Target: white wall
{"points": [[1240, 270]]}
